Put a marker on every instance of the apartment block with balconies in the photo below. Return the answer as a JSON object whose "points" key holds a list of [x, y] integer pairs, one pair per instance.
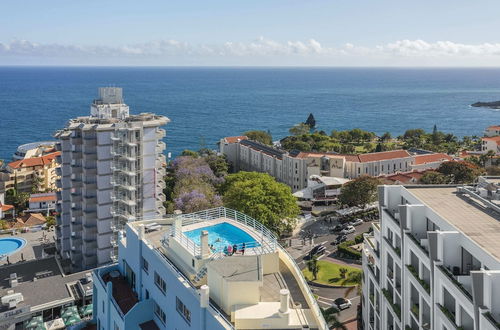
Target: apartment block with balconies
{"points": [[111, 172], [433, 260]]}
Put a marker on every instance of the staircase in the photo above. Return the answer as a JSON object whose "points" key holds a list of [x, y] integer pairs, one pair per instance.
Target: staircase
{"points": [[203, 271]]}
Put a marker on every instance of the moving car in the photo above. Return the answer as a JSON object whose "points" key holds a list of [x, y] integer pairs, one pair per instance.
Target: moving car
{"points": [[356, 222], [348, 230], [317, 250], [342, 303], [339, 239]]}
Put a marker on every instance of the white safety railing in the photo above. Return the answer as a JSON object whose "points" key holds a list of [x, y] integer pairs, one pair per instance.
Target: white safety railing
{"points": [[266, 240]]}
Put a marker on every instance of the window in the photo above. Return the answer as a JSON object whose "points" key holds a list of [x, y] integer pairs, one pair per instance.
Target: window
{"points": [[160, 283], [145, 265], [160, 313], [116, 327], [181, 308], [147, 294]]}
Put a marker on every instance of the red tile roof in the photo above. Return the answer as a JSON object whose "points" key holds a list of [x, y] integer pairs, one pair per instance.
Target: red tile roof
{"points": [[235, 139], [405, 177], [35, 161], [44, 198], [385, 155], [493, 139], [30, 219], [6, 207], [432, 158], [494, 127]]}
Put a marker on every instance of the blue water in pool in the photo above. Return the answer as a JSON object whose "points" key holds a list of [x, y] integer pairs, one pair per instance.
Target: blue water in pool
{"points": [[10, 245], [223, 235]]}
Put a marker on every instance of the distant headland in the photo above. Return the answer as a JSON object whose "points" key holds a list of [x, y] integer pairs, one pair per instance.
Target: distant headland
{"points": [[491, 105]]}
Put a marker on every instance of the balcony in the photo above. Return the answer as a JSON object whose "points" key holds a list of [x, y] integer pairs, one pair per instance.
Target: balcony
{"points": [[417, 243], [414, 272], [492, 320], [124, 297], [395, 307], [394, 215], [455, 280], [395, 249], [449, 315]]}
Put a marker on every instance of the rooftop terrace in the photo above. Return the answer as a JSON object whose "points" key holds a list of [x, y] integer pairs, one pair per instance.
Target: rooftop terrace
{"points": [[468, 215]]}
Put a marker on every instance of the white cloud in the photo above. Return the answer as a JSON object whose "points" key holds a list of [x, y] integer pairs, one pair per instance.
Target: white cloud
{"points": [[263, 50]]}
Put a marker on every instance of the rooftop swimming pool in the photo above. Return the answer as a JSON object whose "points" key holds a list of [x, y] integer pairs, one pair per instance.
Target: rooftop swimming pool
{"points": [[223, 235], [10, 245]]}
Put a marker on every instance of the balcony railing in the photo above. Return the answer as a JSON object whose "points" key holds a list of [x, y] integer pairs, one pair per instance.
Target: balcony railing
{"points": [[414, 239], [490, 318], [455, 281], [395, 307], [414, 272], [449, 315]]}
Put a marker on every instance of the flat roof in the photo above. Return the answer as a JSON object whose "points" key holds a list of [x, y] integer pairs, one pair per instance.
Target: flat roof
{"points": [[50, 285], [238, 268], [480, 224]]}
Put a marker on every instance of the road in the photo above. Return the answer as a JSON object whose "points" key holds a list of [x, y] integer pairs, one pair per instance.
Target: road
{"points": [[300, 252]]}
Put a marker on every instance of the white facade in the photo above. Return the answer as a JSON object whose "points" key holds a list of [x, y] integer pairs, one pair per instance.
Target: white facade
{"points": [[432, 261], [492, 131], [491, 144], [294, 168], [176, 283], [111, 172], [42, 202]]}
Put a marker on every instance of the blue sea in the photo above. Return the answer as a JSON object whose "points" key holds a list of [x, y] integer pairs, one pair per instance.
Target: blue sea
{"points": [[205, 104]]}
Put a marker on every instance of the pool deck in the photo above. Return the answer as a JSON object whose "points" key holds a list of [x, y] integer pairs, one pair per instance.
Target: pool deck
{"points": [[36, 242]]}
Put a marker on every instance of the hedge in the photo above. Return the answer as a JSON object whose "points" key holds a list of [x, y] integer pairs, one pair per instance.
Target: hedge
{"points": [[345, 249]]}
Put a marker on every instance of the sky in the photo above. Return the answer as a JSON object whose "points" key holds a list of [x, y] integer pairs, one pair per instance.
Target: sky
{"points": [[250, 33]]}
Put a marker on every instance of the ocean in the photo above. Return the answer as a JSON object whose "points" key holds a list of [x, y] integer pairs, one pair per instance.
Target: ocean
{"points": [[205, 104]]}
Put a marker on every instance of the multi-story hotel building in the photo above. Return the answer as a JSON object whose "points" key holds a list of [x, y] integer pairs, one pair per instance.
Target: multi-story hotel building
{"points": [[214, 269], [30, 173], [111, 173], [295, 168], [433, 260]]}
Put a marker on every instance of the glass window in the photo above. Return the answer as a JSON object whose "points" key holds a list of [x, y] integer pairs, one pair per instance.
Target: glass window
{"points": [[182, 309], [160, 283], [145, 265], [160, 313]]}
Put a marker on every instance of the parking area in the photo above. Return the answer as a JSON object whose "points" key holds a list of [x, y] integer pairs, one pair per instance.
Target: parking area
{"points": [[317, 233]]}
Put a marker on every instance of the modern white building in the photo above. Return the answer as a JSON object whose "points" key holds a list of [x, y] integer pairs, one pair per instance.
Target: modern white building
{"points": [[214, 269], [111, 173], [433, 260], [492, 131], [34, 149], [42, 202]]}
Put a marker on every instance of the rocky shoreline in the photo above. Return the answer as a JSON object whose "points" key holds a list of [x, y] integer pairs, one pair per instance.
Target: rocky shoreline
{"points": [[491, 105]]}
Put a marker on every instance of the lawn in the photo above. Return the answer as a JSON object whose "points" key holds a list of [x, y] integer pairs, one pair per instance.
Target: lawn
{"points": [[329, 273]]}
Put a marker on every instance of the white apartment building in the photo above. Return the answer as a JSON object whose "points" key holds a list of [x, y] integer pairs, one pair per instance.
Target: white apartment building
{"points": [[295, 168], [492, 131], [111, 173], [214, 269], [433, 260]]}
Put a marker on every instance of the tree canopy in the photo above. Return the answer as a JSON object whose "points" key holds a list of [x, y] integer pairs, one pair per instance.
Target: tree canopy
{"points": [[300, 129], [263, 198], [359, 192], [432, 177], [260, 136], [459, 171]]}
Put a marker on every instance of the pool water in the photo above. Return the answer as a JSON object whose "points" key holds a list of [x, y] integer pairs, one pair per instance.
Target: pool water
{"points": [[10, 245], [223, 235]]}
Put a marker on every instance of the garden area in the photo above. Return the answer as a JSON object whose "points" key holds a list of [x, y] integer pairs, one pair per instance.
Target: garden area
{"points": [[329, 273]]}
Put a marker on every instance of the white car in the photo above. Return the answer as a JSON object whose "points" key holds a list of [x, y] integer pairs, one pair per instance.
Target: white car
{"points": [[356, 222], [347, 230], [342, 303]]}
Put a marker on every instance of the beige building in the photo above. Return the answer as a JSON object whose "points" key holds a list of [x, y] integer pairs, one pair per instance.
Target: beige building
{"points": [[295, 168], [39, 171], [492, 131]]}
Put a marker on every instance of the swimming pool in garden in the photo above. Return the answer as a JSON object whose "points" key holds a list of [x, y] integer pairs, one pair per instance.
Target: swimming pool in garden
{"points": [[10, 245], [223, 235]]}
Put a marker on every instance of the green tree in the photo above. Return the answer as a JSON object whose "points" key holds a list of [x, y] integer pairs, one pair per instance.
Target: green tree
{"points": [[19, 200], [432, 177], [343, 271], [385, 137], [459, 171], [260, 136], [260, 196], [355, 279], [51, 221], [4, 225], [331, 316], [218, 164], [313, 266], [300, 129], [359, 192], [190, 153]]}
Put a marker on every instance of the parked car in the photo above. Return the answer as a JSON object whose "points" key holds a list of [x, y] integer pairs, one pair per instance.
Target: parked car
{"points": [[342, 303], [339, 239], [337, 228], [317, 250], [347, 230], [356, 222]]}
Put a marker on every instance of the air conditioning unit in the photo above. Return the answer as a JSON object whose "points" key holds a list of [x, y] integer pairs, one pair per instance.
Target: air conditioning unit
{"points": [[12, 299]]}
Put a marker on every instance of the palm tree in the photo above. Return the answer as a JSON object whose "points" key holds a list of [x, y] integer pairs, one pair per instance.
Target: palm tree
{"points": [[312, 265], [331, 317], [355, 278]]}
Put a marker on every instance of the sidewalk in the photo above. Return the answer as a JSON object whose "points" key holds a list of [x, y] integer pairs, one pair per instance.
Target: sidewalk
{"points": [[342, 262]]}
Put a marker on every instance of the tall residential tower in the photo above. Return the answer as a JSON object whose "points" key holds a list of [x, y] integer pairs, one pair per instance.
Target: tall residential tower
{"points": [[111, 173]]}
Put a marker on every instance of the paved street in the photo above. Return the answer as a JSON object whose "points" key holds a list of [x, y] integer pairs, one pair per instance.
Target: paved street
{"points": [[300, 252]]}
